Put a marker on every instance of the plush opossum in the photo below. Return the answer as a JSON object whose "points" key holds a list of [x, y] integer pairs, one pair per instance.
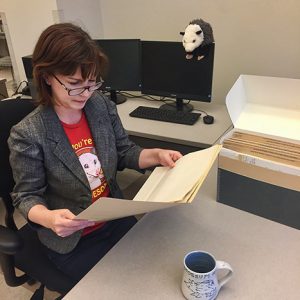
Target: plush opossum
{"points": [[196, 36]]}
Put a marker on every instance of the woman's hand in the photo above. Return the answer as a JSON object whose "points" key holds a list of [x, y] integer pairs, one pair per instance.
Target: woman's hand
{"points": [[153, 157], [63, 224], [61, 221], [167, 158]]}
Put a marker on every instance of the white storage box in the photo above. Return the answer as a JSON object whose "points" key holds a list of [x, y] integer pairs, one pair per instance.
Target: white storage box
{"points": [[264, 180]]}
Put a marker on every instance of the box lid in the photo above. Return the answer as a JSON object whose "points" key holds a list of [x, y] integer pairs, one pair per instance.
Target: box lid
{"points": [[266, 105]]}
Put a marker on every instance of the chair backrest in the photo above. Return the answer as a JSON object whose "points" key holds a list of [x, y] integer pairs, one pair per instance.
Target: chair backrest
{"points": [[31, 258], [12, 111]]}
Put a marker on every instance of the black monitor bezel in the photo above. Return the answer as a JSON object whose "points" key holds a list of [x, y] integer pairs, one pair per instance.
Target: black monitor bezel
{"points": [[207, 97], [136, 86], [27, 64]]}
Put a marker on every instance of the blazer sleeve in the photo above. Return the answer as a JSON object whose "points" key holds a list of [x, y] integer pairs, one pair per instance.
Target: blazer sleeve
{"points": [[128, 152], [26, 159]]}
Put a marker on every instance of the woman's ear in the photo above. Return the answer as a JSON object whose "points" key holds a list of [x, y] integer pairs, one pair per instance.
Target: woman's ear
{"points": [[46, 78]]}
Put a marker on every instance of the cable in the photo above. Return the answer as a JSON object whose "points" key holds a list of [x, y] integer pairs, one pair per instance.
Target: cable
{"points": [[1, 95], [151, 98], [17, 90], [200, 110], [129, 95]]}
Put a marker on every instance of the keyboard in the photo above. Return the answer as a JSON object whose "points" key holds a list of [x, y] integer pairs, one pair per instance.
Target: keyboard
{"points": [[164, 115]]}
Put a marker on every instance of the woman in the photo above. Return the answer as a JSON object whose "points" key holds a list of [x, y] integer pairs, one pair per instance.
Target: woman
{"points": [[66, 153]]}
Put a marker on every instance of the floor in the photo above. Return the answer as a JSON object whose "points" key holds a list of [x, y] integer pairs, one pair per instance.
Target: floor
{"points": [[129, 181]]}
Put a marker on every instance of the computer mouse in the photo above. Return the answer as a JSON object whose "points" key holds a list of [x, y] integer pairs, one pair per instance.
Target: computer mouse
{"points": [[208, 119]]}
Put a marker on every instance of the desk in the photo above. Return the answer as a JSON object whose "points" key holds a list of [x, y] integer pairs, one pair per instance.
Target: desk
{"points": [[185, 138], [147, 263]]}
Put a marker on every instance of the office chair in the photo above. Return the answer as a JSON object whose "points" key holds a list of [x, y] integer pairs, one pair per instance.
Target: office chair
{"points": [[21, 248]]}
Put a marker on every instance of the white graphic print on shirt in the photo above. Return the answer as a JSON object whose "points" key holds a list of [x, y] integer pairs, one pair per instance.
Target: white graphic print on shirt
{"points": [[92, 168]]}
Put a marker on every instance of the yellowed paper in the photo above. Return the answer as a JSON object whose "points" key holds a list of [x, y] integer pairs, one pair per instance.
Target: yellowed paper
{"points": [[176, 184], [106, 209], [164, 188], [271, 149]]}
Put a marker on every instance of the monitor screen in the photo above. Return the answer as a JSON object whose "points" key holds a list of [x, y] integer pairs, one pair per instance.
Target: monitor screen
{"points": [[166, 71], [124, 64], [27, 63]]}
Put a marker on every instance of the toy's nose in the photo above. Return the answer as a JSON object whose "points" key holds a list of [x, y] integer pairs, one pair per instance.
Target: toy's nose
{"points": [[189, 47]]}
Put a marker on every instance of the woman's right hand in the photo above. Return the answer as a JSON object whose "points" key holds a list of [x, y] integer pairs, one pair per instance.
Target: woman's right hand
{"points": [[61, 221], [63, 224]]}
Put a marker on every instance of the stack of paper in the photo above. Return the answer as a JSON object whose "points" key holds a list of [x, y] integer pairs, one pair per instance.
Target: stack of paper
{"points": [[181, 183], [164, 188], [267, 148]]}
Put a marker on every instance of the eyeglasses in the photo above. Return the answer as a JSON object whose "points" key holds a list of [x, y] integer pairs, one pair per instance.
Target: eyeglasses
{"points": [[79, 91]]}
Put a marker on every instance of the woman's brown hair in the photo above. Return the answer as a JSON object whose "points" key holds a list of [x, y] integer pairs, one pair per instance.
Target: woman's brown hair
{"points": [[62, 49]]}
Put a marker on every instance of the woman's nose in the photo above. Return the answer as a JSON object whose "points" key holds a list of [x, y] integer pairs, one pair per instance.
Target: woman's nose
{"points": [[86, 93]]}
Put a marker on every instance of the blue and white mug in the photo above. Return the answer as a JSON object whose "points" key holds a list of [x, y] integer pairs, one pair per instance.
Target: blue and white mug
{"points": [[200, 281]]}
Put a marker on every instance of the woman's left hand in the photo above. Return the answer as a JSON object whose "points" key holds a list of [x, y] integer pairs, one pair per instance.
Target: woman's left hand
{"points": [[167, 158], [156, 156]]}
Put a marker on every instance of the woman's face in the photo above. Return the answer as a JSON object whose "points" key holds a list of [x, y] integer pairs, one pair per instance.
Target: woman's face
{"points": [[60, 84]]}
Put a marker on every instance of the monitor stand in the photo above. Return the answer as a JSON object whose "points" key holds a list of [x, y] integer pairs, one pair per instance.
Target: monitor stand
{"points": [[178, 105], [116, 98]]}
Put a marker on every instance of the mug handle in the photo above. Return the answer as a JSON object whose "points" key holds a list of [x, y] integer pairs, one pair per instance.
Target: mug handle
{"points": [[226, 266]]}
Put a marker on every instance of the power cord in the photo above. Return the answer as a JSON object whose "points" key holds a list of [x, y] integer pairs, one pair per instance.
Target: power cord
{"points": [[2, 96], [17, 89], [151, 98], [200, 110]]}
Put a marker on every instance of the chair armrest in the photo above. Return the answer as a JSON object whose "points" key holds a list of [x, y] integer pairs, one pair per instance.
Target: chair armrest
{"points": [[10, 241], [10, 244]]}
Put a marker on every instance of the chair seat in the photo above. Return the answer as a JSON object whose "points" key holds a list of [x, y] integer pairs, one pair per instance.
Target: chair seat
{"points": [[32, 256]]}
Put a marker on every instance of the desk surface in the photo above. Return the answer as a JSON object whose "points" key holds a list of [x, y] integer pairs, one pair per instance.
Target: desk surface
{"points": [[148, 262], [198, 135]]}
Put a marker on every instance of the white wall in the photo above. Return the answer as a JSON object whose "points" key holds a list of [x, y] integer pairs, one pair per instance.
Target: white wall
{"points": [[86, 14], [25, 21], [252, 36]]}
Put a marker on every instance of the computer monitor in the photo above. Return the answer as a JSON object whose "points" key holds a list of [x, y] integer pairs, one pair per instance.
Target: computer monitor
{"points": [[27, 63], [124, 66], [166, 72]]}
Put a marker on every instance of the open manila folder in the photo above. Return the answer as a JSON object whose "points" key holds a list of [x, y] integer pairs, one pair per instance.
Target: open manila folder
{"points": [[164, 188]]}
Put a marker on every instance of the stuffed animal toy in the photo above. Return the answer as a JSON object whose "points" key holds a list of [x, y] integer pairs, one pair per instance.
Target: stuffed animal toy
{"points": [[197, 35]]}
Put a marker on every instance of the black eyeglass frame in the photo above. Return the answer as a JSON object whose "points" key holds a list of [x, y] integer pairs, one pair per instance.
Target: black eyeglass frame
{"points": [[90, 88]]}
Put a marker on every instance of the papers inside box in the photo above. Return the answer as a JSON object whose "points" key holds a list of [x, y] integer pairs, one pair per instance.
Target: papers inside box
{"points": [[263, 147], [268, 109], [266, 169], [258, 168]]}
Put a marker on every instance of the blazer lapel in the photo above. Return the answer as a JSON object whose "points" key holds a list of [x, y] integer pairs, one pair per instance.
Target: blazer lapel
{"points": [[100, 135], [60, 145]]}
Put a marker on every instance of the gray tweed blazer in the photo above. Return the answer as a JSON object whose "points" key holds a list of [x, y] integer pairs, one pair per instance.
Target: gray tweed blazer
{"points": [[47, 171]]}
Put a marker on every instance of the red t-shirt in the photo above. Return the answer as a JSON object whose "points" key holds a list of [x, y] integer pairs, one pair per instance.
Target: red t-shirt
{"points": [[82, 142]]}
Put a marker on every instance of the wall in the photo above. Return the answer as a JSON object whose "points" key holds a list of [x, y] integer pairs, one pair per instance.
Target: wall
{"points": [[25, 21], [252, 36], [86, 14]]}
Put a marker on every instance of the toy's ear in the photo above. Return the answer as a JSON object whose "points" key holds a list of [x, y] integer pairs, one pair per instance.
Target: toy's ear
{"points": [[182, 32], [199, 32]]}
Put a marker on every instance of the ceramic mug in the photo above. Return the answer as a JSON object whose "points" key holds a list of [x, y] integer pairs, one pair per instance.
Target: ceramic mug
{"points": [[200, 281]]}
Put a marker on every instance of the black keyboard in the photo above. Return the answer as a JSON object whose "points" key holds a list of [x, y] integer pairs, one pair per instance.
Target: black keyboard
{"points": [[164, 115]]}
